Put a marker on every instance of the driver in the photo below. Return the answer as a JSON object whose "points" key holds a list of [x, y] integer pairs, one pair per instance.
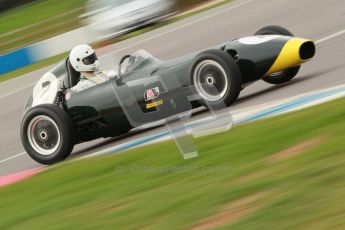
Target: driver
{"points": [[84, 60]]}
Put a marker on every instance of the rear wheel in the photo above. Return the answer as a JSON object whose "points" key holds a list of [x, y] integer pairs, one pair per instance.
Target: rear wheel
{"points": [[47, 134], [281, 76], [216, 77]]}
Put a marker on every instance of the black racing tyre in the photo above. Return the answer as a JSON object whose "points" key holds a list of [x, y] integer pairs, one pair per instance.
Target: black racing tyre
{"points": [[47, 134], [216, 78], [281, 76], [268, 30]]}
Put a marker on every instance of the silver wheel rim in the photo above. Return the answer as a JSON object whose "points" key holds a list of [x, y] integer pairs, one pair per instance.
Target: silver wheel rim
{"points": [[44, 135], [209, 75]]}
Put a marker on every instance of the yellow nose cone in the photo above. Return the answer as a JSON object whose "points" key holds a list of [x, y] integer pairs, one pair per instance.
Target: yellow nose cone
{"points": [[295, 52]]}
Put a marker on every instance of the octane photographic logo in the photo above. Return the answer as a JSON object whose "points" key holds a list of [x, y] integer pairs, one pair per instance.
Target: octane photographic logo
{"points": [[169, 169], [175, 112]]}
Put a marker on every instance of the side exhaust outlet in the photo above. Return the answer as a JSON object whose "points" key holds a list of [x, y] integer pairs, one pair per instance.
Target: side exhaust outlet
{"points": [[295, 52], [307, 50]]}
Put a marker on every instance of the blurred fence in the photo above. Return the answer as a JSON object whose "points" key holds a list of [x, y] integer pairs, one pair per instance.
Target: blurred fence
{"points": [[45, 49]]}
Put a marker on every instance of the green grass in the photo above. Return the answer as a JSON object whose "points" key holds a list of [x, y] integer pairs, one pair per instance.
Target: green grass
{"points": [[34, 12], [305, 191], [41, 32]]}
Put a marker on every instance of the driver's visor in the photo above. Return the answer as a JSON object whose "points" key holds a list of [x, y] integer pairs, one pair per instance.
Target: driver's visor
{"points": [[89, 60]]}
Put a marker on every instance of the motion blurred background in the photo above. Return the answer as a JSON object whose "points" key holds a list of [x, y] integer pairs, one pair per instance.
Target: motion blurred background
{"points": [[25, 22], [26, 26]]}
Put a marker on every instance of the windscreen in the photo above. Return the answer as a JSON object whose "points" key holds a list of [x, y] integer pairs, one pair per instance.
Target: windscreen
{"points": [[140, 59]]}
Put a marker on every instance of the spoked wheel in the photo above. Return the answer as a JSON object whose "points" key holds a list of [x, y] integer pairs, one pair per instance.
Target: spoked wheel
{"points": [[216, 78], [47, 134], [281, 76]]}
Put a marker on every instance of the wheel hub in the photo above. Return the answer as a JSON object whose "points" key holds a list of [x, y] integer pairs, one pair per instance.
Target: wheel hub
{"points": [[44, 135], [210, 80]]}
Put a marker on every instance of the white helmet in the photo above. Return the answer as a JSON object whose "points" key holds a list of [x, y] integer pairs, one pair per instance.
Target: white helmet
{"points": [[83, 59]]}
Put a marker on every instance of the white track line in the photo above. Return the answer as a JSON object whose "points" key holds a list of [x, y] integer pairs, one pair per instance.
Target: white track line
{"points": [[16, 91], [12, 157], [341, 32]]}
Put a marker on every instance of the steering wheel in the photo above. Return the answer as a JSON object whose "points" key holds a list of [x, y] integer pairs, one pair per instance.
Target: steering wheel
{"points": [[121, 62]]}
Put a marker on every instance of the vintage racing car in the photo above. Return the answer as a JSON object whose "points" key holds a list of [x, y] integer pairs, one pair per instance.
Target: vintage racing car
{"points": [[148, 89]]}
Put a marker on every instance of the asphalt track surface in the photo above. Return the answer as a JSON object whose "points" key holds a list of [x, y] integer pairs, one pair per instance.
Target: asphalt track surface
{"points": [[323, 21]]}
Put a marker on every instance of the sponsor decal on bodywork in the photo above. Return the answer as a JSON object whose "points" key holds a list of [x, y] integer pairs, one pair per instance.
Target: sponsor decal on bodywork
{"points": [[151, 94], [154, 104]]}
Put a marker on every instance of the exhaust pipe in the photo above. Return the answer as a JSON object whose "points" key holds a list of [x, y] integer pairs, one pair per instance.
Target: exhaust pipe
{"points": [[295, 52], [307, 51]]}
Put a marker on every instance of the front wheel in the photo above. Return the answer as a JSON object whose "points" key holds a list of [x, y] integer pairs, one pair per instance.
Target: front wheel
{"points": [[281, 76], [216, 78], [47, 134]]}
